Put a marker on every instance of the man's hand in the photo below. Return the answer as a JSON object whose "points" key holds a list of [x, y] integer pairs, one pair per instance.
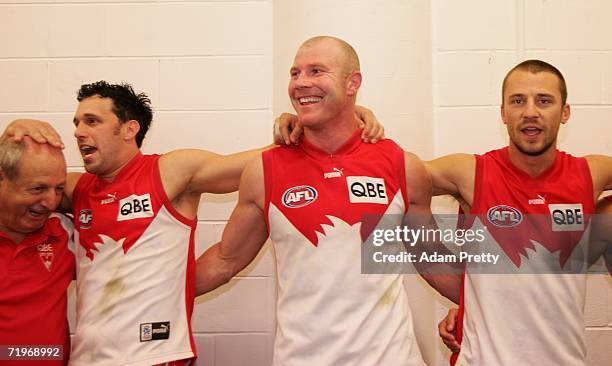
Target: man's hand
{"points": [[40, 131], [287, 128], [373, 131], [447, 328]]}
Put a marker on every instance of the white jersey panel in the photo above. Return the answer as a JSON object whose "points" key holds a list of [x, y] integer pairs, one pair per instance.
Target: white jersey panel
{"points": [[124, 299]]}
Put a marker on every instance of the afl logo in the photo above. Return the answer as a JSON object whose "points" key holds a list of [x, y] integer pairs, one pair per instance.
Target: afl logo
{"points": [[299, 196], [504, 216]]}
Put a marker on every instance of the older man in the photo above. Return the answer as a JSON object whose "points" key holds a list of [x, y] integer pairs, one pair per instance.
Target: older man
{"points": [[36, 264]]}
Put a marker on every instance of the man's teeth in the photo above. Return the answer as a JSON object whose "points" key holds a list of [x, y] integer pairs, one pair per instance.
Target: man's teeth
{"points": [[309, 100], [87, 149], [531, 130]]}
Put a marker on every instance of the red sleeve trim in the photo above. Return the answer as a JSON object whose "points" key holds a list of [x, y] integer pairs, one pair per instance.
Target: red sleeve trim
{"points": [[267, 159], [402, 179], [162, 195], [459, 325], [478, 183]]}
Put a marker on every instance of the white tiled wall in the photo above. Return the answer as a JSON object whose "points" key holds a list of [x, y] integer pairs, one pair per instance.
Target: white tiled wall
{"points": [[217, 72]]}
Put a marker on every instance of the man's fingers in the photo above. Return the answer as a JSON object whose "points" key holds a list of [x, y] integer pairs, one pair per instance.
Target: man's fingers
{"points": [[451, 319], [296, 133], [454, 347], [52, 137], [444, 332], [16, 135], [447, 328]]}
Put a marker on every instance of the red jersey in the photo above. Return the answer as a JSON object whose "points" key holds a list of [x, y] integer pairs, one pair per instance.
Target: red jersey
{"points": [[526, 317], [34, 277], [328, 313]]}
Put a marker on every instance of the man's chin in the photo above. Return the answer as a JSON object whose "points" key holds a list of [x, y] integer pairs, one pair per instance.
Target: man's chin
{"points": [[534, 150]]}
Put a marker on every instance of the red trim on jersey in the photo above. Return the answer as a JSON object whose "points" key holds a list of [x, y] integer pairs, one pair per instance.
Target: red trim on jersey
{"points": [[459, 323], [402, 180], [267, 158], [348, 147], [190, 289], [478, 177], [163, 195]]}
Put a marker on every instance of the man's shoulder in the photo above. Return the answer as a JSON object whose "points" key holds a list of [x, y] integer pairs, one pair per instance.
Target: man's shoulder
{"points": [[385, 143]]}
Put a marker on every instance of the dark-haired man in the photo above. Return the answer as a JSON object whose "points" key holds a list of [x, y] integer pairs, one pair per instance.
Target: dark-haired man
{"points": [[36, 261], [525, 319], [134, 217]]}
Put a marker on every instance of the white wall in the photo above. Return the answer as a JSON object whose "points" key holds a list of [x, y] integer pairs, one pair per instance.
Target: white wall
{"points": [[217, 72]]}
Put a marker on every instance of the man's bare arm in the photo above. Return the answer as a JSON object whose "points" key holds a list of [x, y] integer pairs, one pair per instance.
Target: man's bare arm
{"points": [[243, 236], [442, 277], [199, 171], [601, 172], [601, 234], [454, 175]]}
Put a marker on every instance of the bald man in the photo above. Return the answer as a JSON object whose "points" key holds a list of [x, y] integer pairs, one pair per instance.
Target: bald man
{"points": [[306, 198], [36, 264]]}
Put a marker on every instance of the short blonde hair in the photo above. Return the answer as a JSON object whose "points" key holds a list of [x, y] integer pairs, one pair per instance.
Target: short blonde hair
{"points": [[350, 62]]}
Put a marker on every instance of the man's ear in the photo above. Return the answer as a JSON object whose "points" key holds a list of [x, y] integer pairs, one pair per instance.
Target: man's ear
{"points": [[354, 82], [131, 129], [565, 113], [502, 114]]}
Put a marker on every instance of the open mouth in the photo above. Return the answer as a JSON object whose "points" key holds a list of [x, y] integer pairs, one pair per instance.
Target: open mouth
{"points": [[38, 213], [531, 131], [87, 151], [309, 100]]}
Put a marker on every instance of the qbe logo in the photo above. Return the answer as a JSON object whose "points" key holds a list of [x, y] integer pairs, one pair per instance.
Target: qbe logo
{"points": [[299, 196], [504, 216], [135, 207], [567, 217], [85, 219], [367, 190]]}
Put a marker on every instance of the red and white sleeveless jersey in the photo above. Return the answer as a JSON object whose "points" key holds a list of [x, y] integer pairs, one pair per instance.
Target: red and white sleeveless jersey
{"points": [[527, 317], [135, 270], [328, 313]]}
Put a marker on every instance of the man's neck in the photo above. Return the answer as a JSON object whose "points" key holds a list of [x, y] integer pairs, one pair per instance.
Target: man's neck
{"points": [[532, 165], [124, 160], [15, 236], [333, 134]]}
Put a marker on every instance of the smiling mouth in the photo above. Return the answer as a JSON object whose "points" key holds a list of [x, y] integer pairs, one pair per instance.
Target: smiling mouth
{"points": [[39, 213], [309, 100]]}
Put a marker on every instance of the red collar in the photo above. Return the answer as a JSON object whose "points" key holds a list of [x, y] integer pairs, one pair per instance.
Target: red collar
{"points": [[348, 147]]}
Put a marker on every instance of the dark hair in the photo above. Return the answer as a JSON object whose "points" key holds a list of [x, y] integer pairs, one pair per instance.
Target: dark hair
{"points": [[127, 105], [537, 66]]}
